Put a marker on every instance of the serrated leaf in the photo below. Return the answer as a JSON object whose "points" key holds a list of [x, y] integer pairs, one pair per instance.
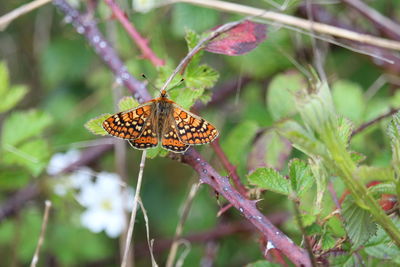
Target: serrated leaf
{"points": [[33, 155], [237, 142], [281, 94], [327, 241], [314, 229], [372, 173], [23, 125], [357, 157], [126, 103], [201, 77], [308, 219], [383, 188], [192, 38], [12, 97], [270, 179], [393, 131], [4, 78], [300, 176], [381, 246], [95, 125], [359, 224], [342, 260], [345, 128], [349, 100]]}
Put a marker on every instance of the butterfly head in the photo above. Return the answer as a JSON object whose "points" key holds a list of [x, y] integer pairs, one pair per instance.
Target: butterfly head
{"points": [[164, 94]]}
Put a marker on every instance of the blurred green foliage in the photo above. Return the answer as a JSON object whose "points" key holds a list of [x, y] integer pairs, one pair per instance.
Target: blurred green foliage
{"points": [[66, 87]]}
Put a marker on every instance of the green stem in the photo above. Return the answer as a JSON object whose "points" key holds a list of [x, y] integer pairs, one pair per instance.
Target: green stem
{"points": [[346, 169]]}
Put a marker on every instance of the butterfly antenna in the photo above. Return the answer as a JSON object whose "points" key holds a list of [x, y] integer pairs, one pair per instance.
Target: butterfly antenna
{"points": [[149, 82], [177, 84]]}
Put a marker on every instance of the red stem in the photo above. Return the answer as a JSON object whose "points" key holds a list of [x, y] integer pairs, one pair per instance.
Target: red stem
{"points": [[135, 35], [229, 167]]}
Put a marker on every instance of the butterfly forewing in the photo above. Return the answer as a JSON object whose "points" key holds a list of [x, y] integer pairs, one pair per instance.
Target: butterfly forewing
{"points": [[129, 124], [191, 129]]}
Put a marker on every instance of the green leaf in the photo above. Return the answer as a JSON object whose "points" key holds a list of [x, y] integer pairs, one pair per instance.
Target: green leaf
{"points": [[359, 224], [192, 38], [13, 178], [327, 241], [201, 77], [4, 78], [345, 128], [349, 100], [321, 177], [372, 173], [33, 155], [127, 103], [308, 219], [95, 125], [342, 260], [281, 94], [12, 97], [382, 247], [24, 125], [383, 188], [300, 176], [236, 144], [186, 97], [270, 179], [314, 229]]}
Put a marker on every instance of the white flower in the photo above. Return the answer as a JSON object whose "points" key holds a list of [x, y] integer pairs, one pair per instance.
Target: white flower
{"points": [[74, 181], [61, 160], [143, 6], [106, 202]]}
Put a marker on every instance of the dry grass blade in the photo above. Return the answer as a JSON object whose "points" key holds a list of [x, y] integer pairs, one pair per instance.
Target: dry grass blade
{"points": [[134, 210], [35, 257], [178, 232], [7, 18], [149, 243]]}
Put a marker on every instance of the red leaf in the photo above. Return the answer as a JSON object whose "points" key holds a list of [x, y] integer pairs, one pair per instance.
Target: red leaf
{"points": [[239, 40]]}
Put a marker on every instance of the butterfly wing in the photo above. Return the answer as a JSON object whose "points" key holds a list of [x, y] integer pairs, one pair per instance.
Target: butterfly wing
{"points": [[170, 139], [148, 137], [192, 129], [129, 124]]}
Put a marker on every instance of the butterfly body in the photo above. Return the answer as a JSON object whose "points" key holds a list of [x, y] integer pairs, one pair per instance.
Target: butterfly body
{"points": [[160, 120]]}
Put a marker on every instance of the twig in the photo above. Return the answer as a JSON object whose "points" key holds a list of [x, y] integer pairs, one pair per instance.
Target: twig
{"points": [[295, 22], [389, 27], [134, 209], [373, 121], [6, 19], [229, 167], [35, 258], [207, 174], [135, 35], [179, 228], [221, 29], [303, 232]]}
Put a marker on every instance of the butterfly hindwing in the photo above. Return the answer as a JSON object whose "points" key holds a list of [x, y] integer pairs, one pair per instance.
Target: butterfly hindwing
{"points": [[170, 139], [192, 129], [129, 124]]}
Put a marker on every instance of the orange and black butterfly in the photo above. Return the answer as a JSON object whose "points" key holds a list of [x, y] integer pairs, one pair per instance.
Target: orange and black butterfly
{"points": [[161, 120]]}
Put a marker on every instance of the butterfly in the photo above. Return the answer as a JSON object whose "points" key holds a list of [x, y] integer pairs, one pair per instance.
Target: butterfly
{"points": [[160, 120]]}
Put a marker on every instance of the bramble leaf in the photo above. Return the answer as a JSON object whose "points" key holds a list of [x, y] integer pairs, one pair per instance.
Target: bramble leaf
{"points": [[270, 179], [127, 103], [95, 124], [300, 176]]}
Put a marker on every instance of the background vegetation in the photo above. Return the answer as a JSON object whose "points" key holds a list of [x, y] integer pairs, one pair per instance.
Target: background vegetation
{"points": [[306, 125]]}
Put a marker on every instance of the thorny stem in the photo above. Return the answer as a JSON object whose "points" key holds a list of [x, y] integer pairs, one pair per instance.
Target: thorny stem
{"points": [[134, 210], [135, 35], [35, 258], [179, 228], [207, 174], [373, 121]]}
